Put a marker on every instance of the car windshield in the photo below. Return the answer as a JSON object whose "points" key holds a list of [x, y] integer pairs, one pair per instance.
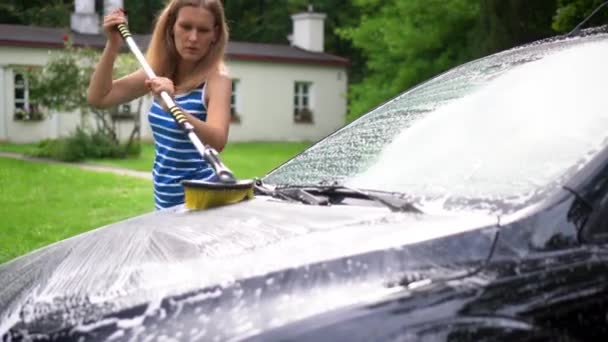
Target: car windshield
{"points": [[501, 130]]}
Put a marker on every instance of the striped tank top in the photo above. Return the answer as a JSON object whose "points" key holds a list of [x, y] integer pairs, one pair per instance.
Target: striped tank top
{"points": [[176, 158]]}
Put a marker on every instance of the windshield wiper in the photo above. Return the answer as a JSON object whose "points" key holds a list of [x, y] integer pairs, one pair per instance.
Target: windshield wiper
{"points": [[396, 202], [334, 194], [289, 193]]}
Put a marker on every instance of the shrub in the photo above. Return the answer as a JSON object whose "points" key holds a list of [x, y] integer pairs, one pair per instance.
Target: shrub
{"points": [[133, 149], [99, 145], [50, 148], [83, 145]]}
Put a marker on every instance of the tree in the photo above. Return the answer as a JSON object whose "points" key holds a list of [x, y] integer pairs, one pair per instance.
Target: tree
{"points": [[142, 14], [339, 14], [61, 85], [53, 13], [406, 42], [262, 21], [505, 24], [571, 12], [265, 21]]}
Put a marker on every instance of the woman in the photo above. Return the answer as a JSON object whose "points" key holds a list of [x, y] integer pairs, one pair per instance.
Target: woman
{"points": [[186, 51]]}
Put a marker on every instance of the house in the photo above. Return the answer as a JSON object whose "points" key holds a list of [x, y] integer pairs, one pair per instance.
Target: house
{"points": [[274, 86]]}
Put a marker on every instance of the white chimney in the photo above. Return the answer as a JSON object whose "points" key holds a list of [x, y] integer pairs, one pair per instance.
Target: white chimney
{"points": [[308, 30], [84, 19]]}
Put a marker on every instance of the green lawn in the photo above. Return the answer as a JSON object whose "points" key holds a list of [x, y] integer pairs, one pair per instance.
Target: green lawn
{"points": [[17, 148], [43, 203], [246, 160]]}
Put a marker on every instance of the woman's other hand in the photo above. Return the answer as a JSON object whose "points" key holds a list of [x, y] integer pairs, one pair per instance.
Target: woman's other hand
{"points": [[110, 22]]}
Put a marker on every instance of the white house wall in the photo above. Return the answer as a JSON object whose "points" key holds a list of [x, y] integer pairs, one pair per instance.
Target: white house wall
{"points": [[124, 128], [23, 56], [56, 124], [13, 130], [27, 131], [265, 101], [3, 105]]}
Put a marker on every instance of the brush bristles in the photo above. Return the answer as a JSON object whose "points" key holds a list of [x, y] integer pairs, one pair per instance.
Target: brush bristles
{"points": [[200, 198]]}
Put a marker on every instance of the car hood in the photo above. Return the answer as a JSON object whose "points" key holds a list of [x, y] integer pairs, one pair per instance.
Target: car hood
{"points": [[258, 261]]}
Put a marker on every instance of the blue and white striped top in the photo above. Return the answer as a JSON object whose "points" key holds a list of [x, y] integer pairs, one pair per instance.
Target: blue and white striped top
{"points": [[176, 157]]}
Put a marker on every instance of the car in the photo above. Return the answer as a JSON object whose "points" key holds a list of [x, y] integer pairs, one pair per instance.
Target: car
{"points": [[472, 207]]}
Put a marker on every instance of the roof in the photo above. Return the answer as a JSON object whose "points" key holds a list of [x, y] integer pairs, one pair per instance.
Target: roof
{"points": [[45, 37]]}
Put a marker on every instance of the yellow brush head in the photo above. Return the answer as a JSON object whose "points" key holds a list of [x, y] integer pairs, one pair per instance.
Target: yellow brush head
{"points": [[203, 195]]}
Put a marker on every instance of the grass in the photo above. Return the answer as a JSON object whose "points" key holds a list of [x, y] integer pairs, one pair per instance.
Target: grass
{"points": [[48, 203], [249, 160], [44, 203], [246, 160], [17, 148]]}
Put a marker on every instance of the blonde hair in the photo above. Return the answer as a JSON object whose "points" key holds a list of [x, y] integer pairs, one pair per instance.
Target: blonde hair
{"points": [[162, 54]]}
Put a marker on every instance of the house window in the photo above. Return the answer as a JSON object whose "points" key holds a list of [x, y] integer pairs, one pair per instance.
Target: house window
{"points": [[24, 109], [21, 93], [125, 108], [301, 102], [123, 111], [234, 113]]}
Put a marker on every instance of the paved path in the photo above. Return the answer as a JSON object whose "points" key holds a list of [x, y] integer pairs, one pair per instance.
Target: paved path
{"points": [[84, 166]]}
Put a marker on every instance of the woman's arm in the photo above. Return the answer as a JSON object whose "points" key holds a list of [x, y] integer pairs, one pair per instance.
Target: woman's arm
{"points": [[104, 92], [214, 131]]}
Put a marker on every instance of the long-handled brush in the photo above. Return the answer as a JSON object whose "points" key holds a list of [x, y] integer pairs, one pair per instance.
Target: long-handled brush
{"points": [[198, 194]]}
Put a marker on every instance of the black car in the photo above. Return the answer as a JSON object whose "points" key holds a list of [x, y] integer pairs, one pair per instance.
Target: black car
{"points": [[472, 207]]}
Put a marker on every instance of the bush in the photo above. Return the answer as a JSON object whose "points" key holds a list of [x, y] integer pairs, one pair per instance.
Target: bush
{"points": [[134, 149], [50, 148], [99, 145], [84, 145]]}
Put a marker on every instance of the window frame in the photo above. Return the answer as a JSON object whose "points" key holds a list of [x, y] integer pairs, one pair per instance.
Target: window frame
{"points": [[23, 107], [24, 101], [302, 101]]}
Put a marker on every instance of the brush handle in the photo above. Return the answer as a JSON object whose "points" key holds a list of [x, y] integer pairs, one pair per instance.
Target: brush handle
{"points": [[207, 152], [175, 111]]}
